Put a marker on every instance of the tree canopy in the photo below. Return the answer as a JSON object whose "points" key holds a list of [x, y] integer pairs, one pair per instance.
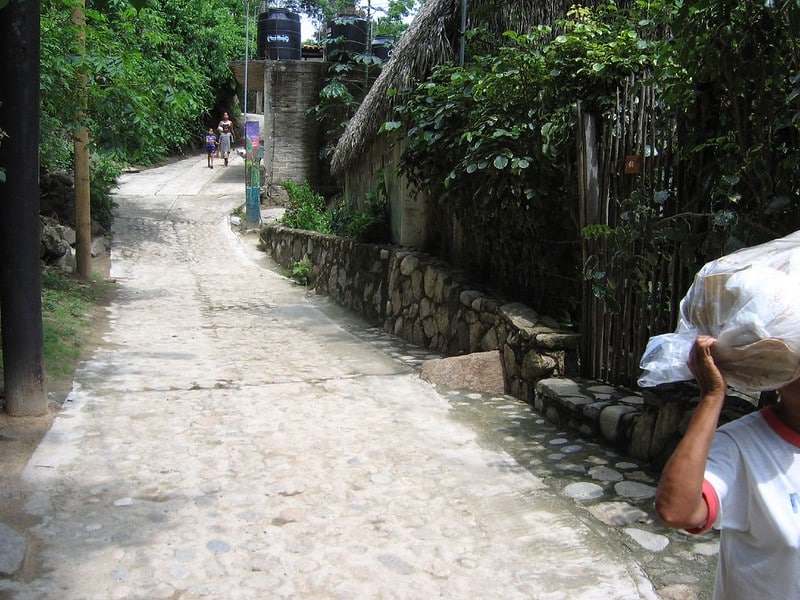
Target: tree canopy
{"points": [[157, 69], [498, 132], [154, 73]]}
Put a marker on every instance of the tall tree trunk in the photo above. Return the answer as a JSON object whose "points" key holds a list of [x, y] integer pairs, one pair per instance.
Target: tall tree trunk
{"points": [[20, 277], [83, 211]]}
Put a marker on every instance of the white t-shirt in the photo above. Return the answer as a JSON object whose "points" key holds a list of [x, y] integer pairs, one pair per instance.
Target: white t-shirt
{"points": [[752, 489], [225, 123]]}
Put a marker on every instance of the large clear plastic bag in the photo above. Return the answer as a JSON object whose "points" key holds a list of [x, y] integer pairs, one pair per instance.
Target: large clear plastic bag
{"points": [[749, 301]]}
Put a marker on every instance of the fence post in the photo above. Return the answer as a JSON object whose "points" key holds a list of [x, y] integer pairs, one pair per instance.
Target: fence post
{"points": [[590, 213]]}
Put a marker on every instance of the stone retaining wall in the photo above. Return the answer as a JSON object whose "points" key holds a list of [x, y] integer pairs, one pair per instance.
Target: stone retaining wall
{"points": [[423, 300], [645, 425]]}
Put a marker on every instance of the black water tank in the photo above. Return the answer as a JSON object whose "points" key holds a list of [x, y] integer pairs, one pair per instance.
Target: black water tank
{"points": [[382, 47], [347, 35], [279, 35]]}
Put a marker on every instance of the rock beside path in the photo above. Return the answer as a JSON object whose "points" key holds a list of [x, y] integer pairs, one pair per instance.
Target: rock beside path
{"points": [[479, 371]]}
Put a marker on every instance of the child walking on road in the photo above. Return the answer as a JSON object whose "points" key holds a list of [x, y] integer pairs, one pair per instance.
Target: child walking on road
{"points": [[211, 146], [225, 141]]}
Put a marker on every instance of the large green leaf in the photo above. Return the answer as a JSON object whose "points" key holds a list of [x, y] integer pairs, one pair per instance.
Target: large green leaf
{"points": [[500, 162]]}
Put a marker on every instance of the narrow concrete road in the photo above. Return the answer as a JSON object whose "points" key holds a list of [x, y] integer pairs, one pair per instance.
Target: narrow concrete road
{"points": [[231, 440]]}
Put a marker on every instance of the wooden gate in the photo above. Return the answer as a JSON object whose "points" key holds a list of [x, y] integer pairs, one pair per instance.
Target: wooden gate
{"points": [[626, 153]]}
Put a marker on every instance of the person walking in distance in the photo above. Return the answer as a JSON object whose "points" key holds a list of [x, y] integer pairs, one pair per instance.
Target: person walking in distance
{"points": [[743, 479], [225, 141], [211, 146]]}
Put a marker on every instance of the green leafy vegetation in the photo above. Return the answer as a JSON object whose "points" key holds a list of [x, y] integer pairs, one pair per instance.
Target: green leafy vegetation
{"points": [[306, 209], [500, 131], [495, 141], [301, 270], [351, 75], [734, 89], [366, 224], [155, 74], [338, 102], [728, 92]]}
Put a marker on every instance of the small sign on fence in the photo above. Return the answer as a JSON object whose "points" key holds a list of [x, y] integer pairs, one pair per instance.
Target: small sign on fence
{"points": [[633, 164]]}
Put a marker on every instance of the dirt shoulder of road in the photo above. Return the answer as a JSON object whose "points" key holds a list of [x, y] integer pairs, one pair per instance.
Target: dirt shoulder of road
{"points": [[20, 436]]}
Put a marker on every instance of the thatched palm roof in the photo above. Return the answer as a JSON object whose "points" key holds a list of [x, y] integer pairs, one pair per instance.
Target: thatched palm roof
{"points": [[425, 44], [432, 39]]}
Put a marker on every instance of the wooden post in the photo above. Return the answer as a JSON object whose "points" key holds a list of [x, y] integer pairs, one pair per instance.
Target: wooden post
{"points": [[83, 210], [590, 213]]}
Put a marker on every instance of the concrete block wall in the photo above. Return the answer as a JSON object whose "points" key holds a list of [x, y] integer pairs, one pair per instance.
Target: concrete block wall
{"points": [[291, 136]]}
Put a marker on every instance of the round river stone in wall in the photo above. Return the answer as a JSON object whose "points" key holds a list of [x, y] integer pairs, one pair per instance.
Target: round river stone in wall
{"points": [[649, 541], [607, 474], [635, 490], [617, 514], [583, 491]]}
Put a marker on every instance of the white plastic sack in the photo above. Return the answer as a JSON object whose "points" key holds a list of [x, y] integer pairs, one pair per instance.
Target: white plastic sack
{"points": [[750, 301]]}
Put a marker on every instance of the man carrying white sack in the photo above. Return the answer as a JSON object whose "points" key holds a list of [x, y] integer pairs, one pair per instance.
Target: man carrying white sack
{"points": [[743, 478]]}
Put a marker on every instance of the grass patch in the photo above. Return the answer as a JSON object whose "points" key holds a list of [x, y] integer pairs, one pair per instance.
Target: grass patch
{"points": [[68, 310], [68, 305]]}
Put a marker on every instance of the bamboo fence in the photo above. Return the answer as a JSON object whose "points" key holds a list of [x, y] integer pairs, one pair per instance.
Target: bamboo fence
{"points": [[636, 136]]}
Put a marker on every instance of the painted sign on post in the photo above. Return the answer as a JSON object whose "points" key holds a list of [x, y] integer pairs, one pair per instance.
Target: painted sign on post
{"points": [[252, 176]]}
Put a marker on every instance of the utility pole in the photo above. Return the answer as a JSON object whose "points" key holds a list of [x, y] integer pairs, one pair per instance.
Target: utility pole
{"points": [[83, 207], [252, 174], [246, 51], [20, 276]]}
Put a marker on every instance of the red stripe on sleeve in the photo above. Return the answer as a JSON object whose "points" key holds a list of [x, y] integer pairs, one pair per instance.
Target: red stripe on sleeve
{"points": [[712, 503]]}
